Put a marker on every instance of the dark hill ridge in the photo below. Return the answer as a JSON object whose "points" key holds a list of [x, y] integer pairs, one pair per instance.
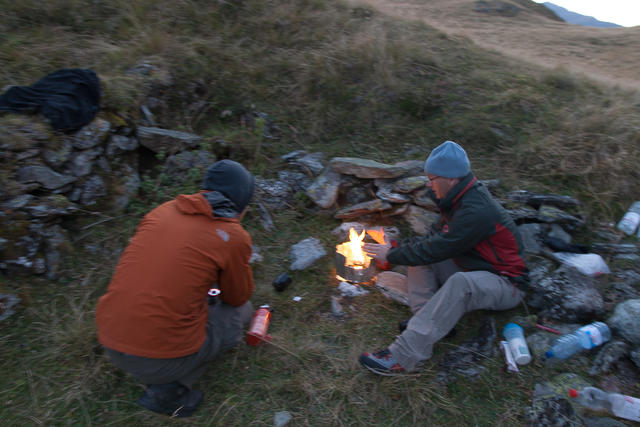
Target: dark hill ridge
{"points": [[578, 19]]}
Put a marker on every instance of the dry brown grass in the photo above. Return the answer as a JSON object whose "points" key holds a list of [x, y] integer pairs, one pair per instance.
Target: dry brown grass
{"points": [[608, 55]]}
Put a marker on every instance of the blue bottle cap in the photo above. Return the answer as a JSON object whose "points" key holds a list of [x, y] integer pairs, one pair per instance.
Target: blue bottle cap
{"points": [[549, 354]]}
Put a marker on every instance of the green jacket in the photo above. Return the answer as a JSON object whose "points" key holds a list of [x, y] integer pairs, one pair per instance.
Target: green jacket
{"points": [[477, 233]]}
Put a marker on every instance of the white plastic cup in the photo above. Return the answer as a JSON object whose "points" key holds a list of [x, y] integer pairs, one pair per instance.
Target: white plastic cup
{"points": [[515, 336]]}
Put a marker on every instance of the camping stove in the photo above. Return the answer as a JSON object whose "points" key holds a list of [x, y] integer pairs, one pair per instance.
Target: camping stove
{"points": [[352, 264], [356, 274]]}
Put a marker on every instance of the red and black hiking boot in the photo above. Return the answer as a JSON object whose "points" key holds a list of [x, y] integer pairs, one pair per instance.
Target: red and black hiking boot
{"points": [[381, 363]]}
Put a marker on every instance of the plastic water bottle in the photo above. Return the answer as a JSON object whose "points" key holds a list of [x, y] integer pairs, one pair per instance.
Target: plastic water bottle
{"points": [[518, 345], [622, 406], [631, 219], [586, 337]]}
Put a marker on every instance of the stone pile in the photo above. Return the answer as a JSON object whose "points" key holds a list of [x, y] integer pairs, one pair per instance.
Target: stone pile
{"points": [[49, 177]]}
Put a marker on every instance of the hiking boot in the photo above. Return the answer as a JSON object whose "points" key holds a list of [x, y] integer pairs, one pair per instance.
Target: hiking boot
{"points": [[381, 363], [170, 399], [402, 325]]}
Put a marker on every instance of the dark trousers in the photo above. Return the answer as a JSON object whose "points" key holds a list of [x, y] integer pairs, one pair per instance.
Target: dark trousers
{"points": [[225, 327]]}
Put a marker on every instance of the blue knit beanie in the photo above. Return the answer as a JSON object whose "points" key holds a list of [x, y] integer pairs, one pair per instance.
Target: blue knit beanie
{"points": [[232, 180], [448, 160]]}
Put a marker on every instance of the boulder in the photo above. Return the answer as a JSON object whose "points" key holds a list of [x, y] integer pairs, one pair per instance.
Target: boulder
{"points": [[625, 321], [566, 295]]}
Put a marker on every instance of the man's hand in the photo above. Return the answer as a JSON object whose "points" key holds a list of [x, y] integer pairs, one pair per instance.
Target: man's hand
{"points": [[377, 251]]}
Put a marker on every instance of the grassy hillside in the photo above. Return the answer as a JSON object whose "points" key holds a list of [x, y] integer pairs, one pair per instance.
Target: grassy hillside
{"points": [[336, 78]]}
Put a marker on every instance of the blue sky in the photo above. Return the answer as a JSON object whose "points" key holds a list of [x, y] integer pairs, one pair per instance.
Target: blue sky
{"points": [[621, 12]]}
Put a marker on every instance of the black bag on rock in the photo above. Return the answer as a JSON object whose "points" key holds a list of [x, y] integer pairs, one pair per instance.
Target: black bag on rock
{"points": [[69, 98]]}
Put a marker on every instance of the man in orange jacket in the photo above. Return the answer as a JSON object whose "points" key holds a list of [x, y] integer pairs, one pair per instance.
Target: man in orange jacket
{"points": [[154, 320]]}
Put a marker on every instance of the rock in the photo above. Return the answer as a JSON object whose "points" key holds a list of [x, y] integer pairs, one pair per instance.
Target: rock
{"points": [[523, 213], [551, 405], [265, 218], [336, 307], [557, 232], [349, 290], [394, 286], [342, 231], [272, 193], [313, 162], [357, 195], [8, 302], [392, 197], [82, 162], [44, 176], [421, 219], [396, 209], [166, 141], [625, 321], [17, 202], [566, 295], [91, 135], [119, 144], [615, 249], [324, 190], [607, 357], [363, 168], [50, 206], [93, 189], [635, 357], [183, 162], [531, 237], [409, 184], [55, 238], [423, 199], [281, 419], [125, 186], [535, 200], [255, 255], [58, 156], [551, 214], [370, 207], [467, 359], [305, 253], [602, 422], [296, 180]]}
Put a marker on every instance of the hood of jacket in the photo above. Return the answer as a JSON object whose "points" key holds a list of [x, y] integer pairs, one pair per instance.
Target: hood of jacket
{"points": [[208, 203]]}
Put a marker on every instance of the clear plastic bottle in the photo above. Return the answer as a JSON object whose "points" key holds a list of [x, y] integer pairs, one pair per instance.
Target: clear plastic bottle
{"points": [[620, 405], [586, 337], [631, 219]]}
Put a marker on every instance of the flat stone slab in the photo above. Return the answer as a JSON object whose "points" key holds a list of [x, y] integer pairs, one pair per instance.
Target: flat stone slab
{"points": [[394, 286], [365, 168]]}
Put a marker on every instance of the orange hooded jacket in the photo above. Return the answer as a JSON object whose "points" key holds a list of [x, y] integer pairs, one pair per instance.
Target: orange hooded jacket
{"points": [[156, 304]]}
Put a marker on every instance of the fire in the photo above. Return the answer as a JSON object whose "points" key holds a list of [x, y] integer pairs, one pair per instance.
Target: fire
{"points": [[352, 250]]}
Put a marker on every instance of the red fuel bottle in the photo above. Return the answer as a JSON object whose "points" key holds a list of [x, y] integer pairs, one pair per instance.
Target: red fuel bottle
{"points": [[257, 332]]}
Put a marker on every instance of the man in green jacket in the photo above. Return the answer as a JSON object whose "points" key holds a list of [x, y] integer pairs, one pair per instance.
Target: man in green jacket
{"points": [[473, 261]]}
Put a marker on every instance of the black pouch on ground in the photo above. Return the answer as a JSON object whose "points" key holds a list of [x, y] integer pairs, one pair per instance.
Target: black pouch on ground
{"points": [[68, 98]]}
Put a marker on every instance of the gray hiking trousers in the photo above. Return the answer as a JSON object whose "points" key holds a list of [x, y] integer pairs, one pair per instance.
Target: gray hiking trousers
{"points": [[225, 326], [436, 311]]}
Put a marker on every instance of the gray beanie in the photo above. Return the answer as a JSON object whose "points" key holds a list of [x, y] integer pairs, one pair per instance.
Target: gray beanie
{"points": [[448, 160], [232, 180]]}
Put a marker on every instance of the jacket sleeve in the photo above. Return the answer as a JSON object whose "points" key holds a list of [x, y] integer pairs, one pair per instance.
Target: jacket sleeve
{"points": [[236, 279], [465, 230]]}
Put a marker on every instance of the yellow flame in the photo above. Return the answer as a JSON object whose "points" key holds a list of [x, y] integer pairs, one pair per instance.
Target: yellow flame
{"points": [[355, 243]]}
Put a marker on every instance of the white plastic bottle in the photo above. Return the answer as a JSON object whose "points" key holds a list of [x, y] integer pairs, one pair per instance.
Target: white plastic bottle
{"points": [[620, 405], [517, 343], [586, 337], [631, 219]]}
